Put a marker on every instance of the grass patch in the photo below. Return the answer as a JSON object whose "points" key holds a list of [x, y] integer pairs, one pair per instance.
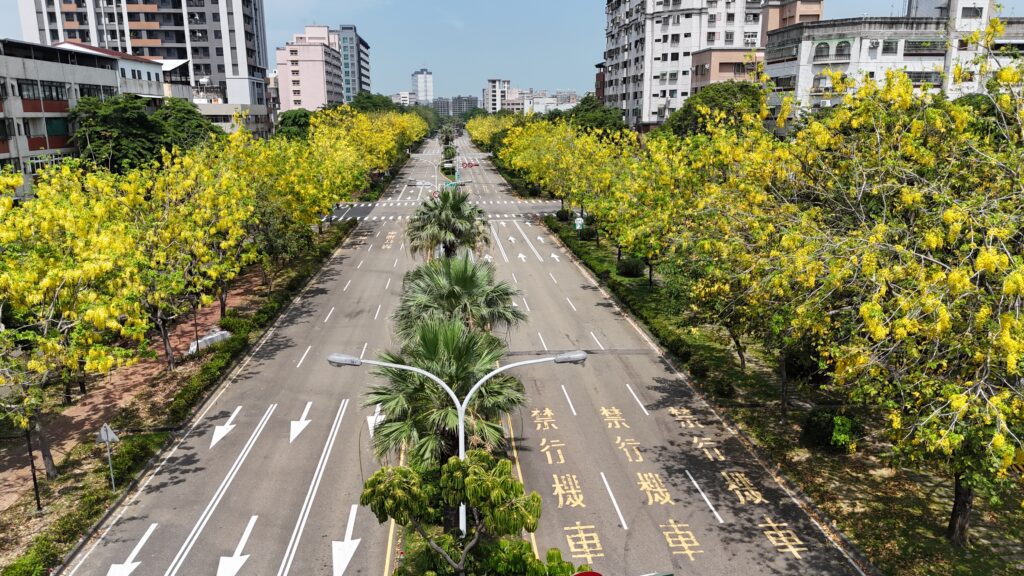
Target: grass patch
{"points": [[896, 517]]}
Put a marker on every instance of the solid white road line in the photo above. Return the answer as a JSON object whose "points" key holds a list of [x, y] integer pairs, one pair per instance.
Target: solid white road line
{"points": [[360, 265], [345, 213], [303, 355], [514, 279], [635, 397], [569, 400], [527, 238], [570, 304], [368, 249], [552, 277], [190, 541], [614, 502], [395, 265], [527, 305], [388, 285], [329, 315], [497, 240], [346, 286], [314, 485], [378, 234], [377, 313], [599, 345], [542, 343], [363, 353], [708, 502]]}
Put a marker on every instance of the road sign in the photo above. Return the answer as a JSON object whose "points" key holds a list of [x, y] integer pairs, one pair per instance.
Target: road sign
{"points": [[579, 223], [107, 436]]}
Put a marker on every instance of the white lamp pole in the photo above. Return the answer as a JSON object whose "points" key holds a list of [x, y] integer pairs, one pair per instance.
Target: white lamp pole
{"points": [[576, 357]]}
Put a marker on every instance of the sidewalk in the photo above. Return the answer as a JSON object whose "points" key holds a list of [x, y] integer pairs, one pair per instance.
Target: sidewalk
{"points": [[81, 421]]}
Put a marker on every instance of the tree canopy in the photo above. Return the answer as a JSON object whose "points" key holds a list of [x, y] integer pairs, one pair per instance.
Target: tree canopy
{"points": [[732, 99], [294, 123]]}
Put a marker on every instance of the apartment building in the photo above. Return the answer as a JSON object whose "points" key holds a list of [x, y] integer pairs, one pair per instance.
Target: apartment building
{"points": [[38, 86], [799, 58], [403, 98], [423, 86], [463, 104], [495, 95], [442, 105], [137, 75], [355, 61], [309, 70]]}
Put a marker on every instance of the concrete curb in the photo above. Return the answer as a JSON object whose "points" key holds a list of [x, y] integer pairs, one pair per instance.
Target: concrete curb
{"points": [[824, 522]]}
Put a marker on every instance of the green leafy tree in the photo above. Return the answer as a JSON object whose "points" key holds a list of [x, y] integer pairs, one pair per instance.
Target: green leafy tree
{"points": [[449, 222], [368, 102], [117, 133], [429, 115], [458, 289], [420, 416], [183, 125], [732, 99], [590, 113], [294, 123]]}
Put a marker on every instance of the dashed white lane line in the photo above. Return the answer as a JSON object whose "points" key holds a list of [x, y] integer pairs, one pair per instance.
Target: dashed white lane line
{"points": [[388, 285], [570, 303], [377, 313], [599, 345], [346, 286], [614, 502], [378, 234], [395, 265], [360, 265], [363, 353], [370, 247], [329, 315], [527, 305], [303, 355], [514, 279], [569, 400], [637, 398], [552, 277], [702, 495], [542, 343]]}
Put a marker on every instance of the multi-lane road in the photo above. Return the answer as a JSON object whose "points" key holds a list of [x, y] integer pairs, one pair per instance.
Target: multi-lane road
{"points": [[637, 474]]}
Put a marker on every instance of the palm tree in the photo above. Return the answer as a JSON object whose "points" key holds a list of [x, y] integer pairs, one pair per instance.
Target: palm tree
{"points": [[450, 221], [419, 416], [457, 289]]}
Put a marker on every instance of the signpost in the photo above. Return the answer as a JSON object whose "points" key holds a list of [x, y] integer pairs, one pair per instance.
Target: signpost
{"points": [[579, 223], [107, 436]]}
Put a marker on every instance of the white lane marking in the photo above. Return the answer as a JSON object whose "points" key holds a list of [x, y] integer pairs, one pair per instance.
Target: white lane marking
{"points": [[346, 286], [297, 426], [363, 353], [402, 247], [130, 564], [190, 541], [303, 355], [542, 343], [314, 485], [329, 315], [370, 247], [637, 398], [599, 345], [514, 279], [377, 313], [708, 502], [497, 241], [231, 565], [345, 214], [527, 305], [569, 400], [388, 285], [570, 304], [552, 277], [395, 265], [360, 265], [527, 238], [614, 502]]}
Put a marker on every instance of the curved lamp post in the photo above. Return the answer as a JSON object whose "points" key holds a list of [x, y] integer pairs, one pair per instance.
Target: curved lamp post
{"points": [[574, 357]]}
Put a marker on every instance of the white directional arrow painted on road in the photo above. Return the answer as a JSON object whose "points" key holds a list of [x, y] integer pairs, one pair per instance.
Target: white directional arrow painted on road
{"points": [[372, 421], [502, 224], [540, 239], [522, 257], [488, 258], [511, 240], [130, 564], [221, 431], [299, 425], [344, 550], [230, 565], [555, 257]]}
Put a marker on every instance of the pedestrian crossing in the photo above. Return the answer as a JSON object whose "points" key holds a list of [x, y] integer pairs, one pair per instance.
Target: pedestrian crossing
{"points": [[493, 217], [386, 204]]}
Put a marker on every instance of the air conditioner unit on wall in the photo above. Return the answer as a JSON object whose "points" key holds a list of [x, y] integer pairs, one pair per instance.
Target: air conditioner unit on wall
{"points": [[873, 43]]}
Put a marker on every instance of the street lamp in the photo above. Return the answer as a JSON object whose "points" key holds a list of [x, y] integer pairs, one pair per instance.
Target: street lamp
{"points": [[574, 357]]}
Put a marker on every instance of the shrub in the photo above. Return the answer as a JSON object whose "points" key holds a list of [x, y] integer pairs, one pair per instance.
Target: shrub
{"points": [[589, 219], [630, 267], [563, 215], [588, 234], [698, 367], [720, 388], [828, 430], [132, 453]]}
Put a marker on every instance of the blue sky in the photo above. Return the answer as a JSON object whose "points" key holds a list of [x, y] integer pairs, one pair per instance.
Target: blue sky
{"points": [[549, 44]]}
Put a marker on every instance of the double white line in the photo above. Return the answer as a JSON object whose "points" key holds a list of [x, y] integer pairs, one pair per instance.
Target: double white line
{"points": [[314, 485], [183, 552]]}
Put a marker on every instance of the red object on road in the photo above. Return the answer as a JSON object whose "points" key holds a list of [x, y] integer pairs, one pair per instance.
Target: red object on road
{"points": [[587, 574]]}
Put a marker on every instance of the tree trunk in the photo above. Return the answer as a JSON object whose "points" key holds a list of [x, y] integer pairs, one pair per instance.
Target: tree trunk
{"points": [[784, 377], [963, 500], [618, 255], [740, 351], [44, 451], [650, 274], [165, 337], [66, 401], [195, 321], [223, 298]]}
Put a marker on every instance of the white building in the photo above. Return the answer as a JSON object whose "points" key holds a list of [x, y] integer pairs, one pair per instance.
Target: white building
{"points": [[926, 48], [309, 70], [136, 75], [423, 86], [403, 98], [495, 95], [544, 104]]}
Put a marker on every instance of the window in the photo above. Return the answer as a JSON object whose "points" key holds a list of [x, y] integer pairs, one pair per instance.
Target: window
{"points": [[149, 76], [730, 18], [674, 57], [843, 50], [675, 38], [924, 47], [971, 12], [56, 126], [821, 51], [296, 92], [711, 37], [90, 91], [729, 38], [123, 75], [297, 102], [672, 93], [890, 47], [931, 78], [293, 52], [52, 91], [295, 82], [295, 72]]}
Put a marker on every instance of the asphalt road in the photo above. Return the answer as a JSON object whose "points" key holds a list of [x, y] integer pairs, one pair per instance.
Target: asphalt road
{"points": [[637, 475]]}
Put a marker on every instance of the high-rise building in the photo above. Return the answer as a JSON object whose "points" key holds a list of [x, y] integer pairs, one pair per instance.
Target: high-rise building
{"points": [[443, 106], [654, 48], [355, 61], [496, 94], [309, 70], [463, 104], [423, 86], [225, 42]]}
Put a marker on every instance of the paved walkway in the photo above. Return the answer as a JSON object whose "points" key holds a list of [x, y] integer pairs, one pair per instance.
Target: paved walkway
{"points": [[81, 421]]}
